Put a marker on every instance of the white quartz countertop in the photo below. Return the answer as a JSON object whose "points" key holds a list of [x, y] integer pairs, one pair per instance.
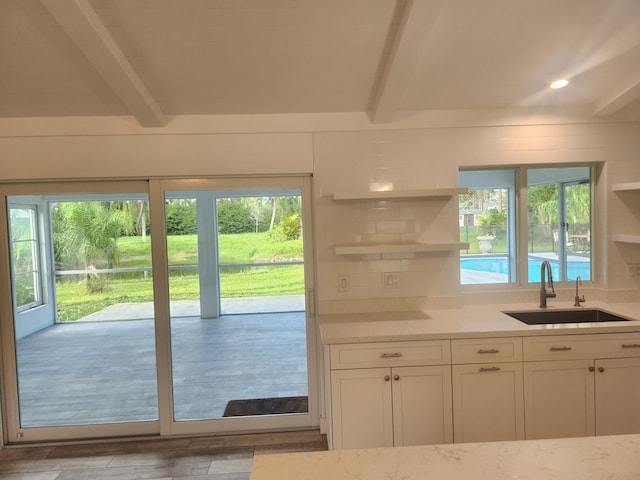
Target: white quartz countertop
{"points": [[466, 322], [587, 458]]}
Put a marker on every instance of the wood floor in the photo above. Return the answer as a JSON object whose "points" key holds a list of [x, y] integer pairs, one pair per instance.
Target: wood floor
{"points": [[104, 372], [213, 458]]}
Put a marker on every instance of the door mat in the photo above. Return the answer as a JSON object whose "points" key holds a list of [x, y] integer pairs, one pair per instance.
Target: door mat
{"points": [[266, 406]]}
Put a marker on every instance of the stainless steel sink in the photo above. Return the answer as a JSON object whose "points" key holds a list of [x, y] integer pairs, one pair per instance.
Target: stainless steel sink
{"points": [[565, 316]]}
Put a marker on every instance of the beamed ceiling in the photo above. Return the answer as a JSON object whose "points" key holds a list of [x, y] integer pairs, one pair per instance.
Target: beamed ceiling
{"points": [[154, 59]]}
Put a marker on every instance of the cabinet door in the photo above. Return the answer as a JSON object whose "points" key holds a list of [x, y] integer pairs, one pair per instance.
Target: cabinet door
{"points": [[487, 402], [361, 408], [422, 405], [559, 399], [617, 396]]}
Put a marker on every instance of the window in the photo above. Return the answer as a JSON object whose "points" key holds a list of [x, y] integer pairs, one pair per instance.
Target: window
{"points": [[558, 206], [25, 257]]}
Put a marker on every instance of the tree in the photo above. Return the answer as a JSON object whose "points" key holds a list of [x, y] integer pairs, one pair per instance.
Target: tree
{"points": [[256, 211], [543, 204], [233, 216], [181, 216], [86, 234]]}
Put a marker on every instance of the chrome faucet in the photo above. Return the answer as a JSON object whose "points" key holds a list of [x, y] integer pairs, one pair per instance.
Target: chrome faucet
{"points": [[578, 299], [543, 291]]}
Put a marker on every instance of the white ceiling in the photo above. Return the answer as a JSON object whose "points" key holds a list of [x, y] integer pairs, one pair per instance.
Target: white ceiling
{"points": [[153, 59]]}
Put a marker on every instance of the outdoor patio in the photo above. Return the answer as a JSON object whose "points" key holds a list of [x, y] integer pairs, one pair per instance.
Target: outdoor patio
{"points": [[104, 371]]}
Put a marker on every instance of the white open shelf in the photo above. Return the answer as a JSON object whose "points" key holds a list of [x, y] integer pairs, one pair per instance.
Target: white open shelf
{"points": [[374, 248], [627, 238], [400, 194], [621, 187]]}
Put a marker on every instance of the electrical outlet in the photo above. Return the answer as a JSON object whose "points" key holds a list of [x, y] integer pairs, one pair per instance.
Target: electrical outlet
{"points": [[392, 280], [633, 271], [343, 283]]}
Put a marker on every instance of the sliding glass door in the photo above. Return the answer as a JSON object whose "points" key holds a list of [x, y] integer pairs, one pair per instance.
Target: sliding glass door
{"points": [[84, 354], [238, 319], [142, 308]]}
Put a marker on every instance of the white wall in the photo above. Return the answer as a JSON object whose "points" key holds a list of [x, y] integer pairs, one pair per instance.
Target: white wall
{"points": [[345, 153]]}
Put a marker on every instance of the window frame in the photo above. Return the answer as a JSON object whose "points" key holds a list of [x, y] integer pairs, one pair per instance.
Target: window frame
{"points": [[519, 273], [36, 258]]}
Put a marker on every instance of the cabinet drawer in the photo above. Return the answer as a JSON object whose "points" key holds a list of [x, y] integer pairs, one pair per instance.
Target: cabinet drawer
{"points": [[604, 345], [363, 355], [482, 350]]}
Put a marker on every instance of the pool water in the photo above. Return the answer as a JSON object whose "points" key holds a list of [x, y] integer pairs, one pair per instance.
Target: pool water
{"points": [[500, 265]]}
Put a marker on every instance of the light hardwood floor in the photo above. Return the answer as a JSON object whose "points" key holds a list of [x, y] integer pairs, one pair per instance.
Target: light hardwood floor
{"points": [[213, 458]]}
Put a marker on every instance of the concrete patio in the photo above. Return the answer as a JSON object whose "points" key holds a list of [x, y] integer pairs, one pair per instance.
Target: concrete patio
{"points": [[103, 371]]}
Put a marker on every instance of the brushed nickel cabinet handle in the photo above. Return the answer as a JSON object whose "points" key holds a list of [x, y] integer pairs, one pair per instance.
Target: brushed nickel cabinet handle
{"points": [[489, 369], [560, 349], [391, 355], [491, 350]]}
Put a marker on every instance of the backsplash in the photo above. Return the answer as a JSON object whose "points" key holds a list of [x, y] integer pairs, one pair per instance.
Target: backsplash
{"points": [[431, 158]]}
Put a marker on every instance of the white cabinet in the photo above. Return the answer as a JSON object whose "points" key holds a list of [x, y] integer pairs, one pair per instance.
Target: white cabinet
{"points": [[581, 385], [487, 390], [617, 387], [559, 399], [421, 405], [404, 402], [361, 408]]}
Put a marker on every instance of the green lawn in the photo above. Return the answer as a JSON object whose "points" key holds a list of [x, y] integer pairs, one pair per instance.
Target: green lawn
{"points": [[74, 301]]}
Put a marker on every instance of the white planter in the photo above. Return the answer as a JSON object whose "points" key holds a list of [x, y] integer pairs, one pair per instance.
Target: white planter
{"points": [[485, 243]]}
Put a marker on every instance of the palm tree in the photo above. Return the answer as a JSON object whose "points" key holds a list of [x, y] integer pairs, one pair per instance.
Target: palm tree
{"points": [[86, 234]]}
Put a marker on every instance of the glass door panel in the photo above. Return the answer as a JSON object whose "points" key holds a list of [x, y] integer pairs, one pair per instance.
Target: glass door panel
{"points": [[577, 218], [238, 325], [83, 310], [260, 254], [559, 203]]}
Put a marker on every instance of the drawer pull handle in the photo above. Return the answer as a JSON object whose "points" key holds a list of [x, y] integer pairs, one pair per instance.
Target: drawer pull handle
{"points": [[491, 350], [630, 345], [391, 355], [489, 369], [560, 349]]}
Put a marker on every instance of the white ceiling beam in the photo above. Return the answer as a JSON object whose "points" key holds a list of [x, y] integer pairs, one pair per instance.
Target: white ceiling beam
{"points": [[416, 24], [80, 21], [617, 100]]}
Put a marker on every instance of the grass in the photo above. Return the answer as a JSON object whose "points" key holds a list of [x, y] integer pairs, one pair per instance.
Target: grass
{"points": [[75, 302]]}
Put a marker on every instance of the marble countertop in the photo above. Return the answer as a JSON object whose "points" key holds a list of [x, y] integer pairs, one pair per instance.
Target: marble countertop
{"points": [[587, 458], [467, 322]]}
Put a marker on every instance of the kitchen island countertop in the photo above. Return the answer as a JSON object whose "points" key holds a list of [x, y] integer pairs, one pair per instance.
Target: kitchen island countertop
{"points": [[587, 458]]}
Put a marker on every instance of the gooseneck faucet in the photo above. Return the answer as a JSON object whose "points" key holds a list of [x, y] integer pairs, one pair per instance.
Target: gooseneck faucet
{"points": [[543, 291], [578, 299]]}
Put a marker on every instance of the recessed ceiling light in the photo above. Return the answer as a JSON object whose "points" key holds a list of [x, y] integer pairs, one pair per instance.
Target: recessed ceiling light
{"points": [[559, 83]]}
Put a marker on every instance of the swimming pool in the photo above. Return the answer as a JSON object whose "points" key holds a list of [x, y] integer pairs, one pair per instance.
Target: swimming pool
{"points": [[500, 265]]}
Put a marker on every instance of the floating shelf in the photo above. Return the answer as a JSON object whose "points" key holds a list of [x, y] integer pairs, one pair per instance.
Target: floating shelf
{"points": [[626, 238], [370, 248], [622, 187], [400, 194]]}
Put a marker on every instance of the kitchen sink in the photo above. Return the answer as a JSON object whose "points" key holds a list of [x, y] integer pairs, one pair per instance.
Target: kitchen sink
{"points": [[565, 316]]}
